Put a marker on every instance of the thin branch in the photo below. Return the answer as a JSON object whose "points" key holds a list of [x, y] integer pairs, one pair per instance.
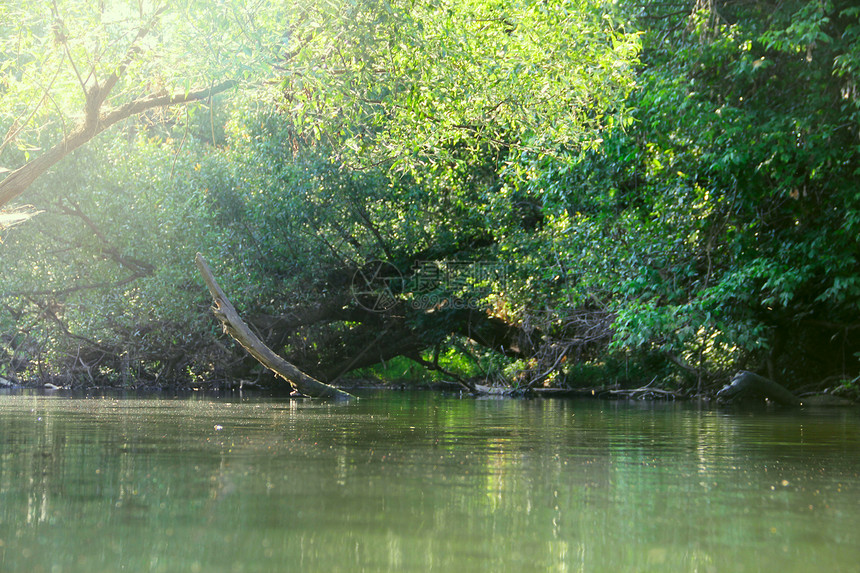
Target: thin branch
{"points": [[358, 356], [140, 268], [131, 53], [60, 32], [140, 105], [47, 312], [77, 288], [16, 126], [471, 388], [181, 145]]}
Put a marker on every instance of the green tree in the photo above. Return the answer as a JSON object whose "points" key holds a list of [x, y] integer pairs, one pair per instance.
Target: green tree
{"points": [[90, 285], [412, 84], [70, 69], [727, 209]]}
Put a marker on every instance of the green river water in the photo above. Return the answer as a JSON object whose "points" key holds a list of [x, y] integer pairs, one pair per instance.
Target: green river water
{"points": [[422, 482]]}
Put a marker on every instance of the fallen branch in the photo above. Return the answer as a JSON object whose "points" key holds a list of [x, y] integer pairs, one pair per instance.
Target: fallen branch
{"points": [[239, 331], [645, 392], [750, 386]]}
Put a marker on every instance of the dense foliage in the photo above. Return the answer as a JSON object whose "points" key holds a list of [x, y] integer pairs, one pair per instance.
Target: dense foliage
{"points": [[563, 194], [745, 165]]}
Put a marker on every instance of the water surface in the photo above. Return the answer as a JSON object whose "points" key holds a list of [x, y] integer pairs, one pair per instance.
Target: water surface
{"points": [[421, 482]]}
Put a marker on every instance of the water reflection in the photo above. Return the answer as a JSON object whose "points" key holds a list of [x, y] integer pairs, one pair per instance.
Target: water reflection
{"points": [[406, 482]]}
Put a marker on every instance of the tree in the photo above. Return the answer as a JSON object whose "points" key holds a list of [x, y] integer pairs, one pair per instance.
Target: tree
{"points": [[412, 85], [714, 230], [720, 228], [71, 69], [457, 104]]}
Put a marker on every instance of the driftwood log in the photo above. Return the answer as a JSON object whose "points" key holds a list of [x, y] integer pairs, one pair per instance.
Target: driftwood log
{"points": [[234, 326], [750, 386], [747, 386]]}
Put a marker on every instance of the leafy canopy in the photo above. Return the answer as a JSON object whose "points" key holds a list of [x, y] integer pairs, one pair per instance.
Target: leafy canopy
{"points": [[407, 83], [59, 58]]}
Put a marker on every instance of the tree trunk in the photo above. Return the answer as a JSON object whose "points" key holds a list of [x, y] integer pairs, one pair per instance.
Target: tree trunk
{"points": [[236, 328]]}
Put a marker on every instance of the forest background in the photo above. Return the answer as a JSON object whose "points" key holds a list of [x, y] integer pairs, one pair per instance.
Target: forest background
{"points": [[567, 193]]}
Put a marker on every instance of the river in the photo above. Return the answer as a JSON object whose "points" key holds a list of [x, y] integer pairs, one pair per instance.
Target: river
{"points": [[423, 482]]}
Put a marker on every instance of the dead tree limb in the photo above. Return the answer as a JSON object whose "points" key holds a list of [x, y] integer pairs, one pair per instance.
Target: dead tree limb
{"points": [[239, 331]]}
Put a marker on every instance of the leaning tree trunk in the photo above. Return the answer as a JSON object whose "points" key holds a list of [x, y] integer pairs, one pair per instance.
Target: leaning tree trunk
{"points": [[236, 328]]}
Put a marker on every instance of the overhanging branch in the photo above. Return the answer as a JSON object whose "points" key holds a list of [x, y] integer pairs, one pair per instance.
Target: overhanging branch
{"points": [[20, 179]]}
